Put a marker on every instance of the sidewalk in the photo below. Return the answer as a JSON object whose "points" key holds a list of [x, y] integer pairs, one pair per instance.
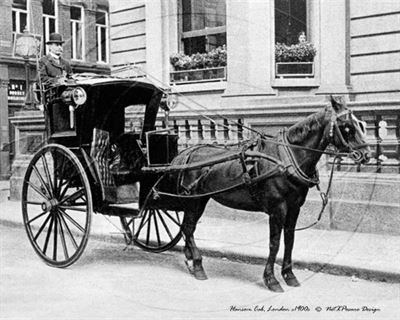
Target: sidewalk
{"points": [[364, 255]]}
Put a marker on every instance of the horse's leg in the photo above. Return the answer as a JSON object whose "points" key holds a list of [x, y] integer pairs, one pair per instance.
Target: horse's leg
{"points": [[290, 225], [275, 228], [192, 253]]}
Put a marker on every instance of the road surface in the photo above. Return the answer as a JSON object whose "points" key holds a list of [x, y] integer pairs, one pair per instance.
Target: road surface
{"points": [[109, 282]]}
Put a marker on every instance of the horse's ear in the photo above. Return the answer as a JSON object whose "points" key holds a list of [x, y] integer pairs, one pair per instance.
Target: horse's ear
{"points": [[337, 103]]}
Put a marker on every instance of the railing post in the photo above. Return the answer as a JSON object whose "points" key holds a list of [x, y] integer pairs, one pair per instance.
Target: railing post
{"points": [[389, 145], [220, 132], [195, 134], [206, 126], [373, 141]]}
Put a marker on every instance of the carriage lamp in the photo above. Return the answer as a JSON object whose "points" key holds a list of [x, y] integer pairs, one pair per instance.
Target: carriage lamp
{"points": [[79, 96], [76, 96], [73, 97]]}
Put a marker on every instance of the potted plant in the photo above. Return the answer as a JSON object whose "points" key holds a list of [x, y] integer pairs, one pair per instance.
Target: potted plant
{"points": [[199, 66], [295, 60]]}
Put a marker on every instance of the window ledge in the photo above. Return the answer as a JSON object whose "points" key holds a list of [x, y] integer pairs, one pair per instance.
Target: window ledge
{"points": [[198, 87], [303, 82]]}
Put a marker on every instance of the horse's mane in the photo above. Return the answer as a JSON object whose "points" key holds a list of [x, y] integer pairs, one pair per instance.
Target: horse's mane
{"points": [[301, 130]]}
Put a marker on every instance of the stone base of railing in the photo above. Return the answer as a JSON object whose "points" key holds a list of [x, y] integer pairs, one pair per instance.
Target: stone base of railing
{"points": [[360, 202]]}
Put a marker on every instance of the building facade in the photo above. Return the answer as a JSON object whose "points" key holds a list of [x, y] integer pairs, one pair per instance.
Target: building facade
{"points": [[84, 26], [245, 61]]}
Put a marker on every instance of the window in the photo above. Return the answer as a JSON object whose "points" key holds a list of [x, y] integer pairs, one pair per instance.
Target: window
{"points": [[290, 20], [102, 36], [20, 15], [203, 25], [77, 32], [49, 19]]}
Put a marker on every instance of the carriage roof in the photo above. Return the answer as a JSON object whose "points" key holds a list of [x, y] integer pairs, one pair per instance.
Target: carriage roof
{"points": [[107, 98]]}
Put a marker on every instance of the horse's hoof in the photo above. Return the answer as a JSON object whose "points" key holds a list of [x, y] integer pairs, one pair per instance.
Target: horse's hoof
{"points": [[291, 280], [196, 270], [200, 275], [273, 285]]}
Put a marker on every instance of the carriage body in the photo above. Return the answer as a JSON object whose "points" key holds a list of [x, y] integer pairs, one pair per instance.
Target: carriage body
{"points": [[93, 163], [83, 127]]}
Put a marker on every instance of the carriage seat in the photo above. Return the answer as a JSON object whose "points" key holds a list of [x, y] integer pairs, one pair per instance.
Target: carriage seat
{"points": [[127, 159]]}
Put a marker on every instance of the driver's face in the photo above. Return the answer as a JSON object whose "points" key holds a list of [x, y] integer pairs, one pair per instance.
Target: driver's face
{"points": [[56, 49]]}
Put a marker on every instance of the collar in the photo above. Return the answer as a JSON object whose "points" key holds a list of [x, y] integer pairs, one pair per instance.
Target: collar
{"points": [[54, 57], [290, 162]]}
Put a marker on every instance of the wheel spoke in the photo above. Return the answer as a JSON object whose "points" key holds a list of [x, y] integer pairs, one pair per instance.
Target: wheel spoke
{"points": [[76, 224], [37, 190], [48, 234], [172, 218], [42, 227], [69, 231], [42, 182], [37, 217], [177, 218], [145, 219], [76, 195], [47, 172], [61, 177], [37, 203], [156, 225], [62, 237], [149, 227], [165, 225], [62, 194], [55, 237]]}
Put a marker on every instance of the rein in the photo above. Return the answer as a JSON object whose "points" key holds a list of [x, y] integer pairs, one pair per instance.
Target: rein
{"points": [[324, 197]]}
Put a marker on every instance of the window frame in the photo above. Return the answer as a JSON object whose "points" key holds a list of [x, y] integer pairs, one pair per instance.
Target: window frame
{"points": [[73, 32], [195, 33], [98, 38], [313, 35], [46, 18], [18, 12]]}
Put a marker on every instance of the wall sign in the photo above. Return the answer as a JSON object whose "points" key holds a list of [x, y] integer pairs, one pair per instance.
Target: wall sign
{"points": [[16, 90]]}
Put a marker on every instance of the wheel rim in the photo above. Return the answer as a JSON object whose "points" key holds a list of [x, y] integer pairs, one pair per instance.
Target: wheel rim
{"points": [[158, 229], [57, 205]]}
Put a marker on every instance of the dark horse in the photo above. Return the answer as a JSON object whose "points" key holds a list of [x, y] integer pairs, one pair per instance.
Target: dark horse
{"points": [[278, 188]]}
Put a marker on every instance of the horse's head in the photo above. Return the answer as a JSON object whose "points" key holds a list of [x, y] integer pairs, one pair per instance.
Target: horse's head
{"points": [[347, 133]]}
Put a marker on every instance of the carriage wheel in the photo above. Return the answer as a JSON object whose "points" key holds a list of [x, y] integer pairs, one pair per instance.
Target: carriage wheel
{"points": [[57, 205], [157, 230]]}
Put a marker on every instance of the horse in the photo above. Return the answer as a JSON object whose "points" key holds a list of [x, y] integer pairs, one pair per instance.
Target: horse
{"points": [[277, 174]]}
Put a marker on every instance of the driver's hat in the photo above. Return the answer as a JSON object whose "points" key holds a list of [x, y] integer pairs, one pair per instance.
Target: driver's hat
{"points": [[55, 38]]}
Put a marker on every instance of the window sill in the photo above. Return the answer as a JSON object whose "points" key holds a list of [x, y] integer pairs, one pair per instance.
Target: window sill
{"points": [[199, 87], [298, 82]]}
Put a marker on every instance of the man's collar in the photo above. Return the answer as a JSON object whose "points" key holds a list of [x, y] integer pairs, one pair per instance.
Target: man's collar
{"points": [[55, 57]]}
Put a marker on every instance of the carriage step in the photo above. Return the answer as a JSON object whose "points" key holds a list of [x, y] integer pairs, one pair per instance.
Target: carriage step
{"points": [[122, 210]]}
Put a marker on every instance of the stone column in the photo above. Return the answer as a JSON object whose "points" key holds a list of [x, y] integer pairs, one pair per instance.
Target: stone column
{"points": [[249, 41], [155, 39], [333, 47]]}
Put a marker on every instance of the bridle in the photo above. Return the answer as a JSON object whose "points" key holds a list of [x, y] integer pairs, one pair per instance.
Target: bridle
{"points": [[359, 127]]}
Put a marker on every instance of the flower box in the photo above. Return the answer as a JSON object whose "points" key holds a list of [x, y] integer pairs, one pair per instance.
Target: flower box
{"points": [[198, 75], [294, 69]]}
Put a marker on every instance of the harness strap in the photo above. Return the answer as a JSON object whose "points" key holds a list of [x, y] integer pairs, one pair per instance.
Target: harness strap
{"points": [[291, 164]]}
